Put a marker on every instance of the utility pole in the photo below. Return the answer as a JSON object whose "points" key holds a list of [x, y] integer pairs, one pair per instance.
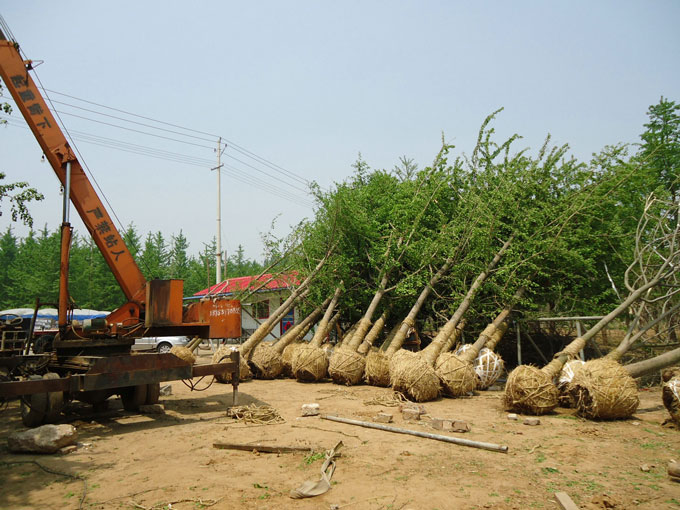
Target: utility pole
{"points": [[218, 255]]}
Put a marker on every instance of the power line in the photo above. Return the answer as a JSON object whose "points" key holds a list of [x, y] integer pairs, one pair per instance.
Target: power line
{"points": [[132, 121], [160, 154], [230, 143], [117, 126]]}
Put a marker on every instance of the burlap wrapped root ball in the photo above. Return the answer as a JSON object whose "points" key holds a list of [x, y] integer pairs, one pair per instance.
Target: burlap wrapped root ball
{"points": [[346, 366], [265, 362], [489, 367], [671, 398], [529, 390], [310, 363], [411, 375], [458, 377], [604, 390], [287, 358], [377, 370], [244, 370], [564, 379], [183, 353]]}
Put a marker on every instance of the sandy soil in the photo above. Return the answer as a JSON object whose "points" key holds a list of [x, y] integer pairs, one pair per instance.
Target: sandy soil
{"points": [[135, 461]]}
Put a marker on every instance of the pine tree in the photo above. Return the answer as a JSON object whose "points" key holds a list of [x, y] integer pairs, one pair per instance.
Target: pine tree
{"points": [[179, 261], [8, 254]]}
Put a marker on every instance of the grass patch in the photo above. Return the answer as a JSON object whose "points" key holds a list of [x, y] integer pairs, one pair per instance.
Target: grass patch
{"points": [[652, 445], [313, 457]]}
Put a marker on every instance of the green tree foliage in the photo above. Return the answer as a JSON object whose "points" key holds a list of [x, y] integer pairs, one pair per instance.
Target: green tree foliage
{"points": [[19, 194], [154, 259], [239, 265], [661, 145], [178, 258], [29, 268], [9, 251], [572, 225]]}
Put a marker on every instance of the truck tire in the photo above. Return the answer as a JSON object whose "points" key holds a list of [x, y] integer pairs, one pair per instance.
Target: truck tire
{"points": [[133, 397], [55, 401], [33, 407], [153, 393]]}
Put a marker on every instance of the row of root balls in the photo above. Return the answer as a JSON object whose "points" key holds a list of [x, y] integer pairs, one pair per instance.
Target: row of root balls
{"points": [[599, 389]]}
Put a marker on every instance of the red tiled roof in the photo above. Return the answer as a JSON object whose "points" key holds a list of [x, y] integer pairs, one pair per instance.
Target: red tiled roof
{"points": [[264, 282]]}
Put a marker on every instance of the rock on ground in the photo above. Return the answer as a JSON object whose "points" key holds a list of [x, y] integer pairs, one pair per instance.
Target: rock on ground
{"points": [[45, 439]]}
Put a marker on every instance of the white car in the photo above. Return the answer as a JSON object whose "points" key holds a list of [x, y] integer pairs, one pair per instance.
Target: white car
{"points": [[161, 344]]}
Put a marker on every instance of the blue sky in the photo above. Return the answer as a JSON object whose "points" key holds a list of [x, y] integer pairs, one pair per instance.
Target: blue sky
{"points": [[309, 85]]}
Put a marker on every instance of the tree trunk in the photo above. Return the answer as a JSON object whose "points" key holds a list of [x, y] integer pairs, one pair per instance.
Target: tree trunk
{"points": [[322, 330], [373, 334], [649, 366], [628, 342], [403, 329], [266, 327], [489, 331], [365, 322], [553, 368], [299, 329], [432, 351]]}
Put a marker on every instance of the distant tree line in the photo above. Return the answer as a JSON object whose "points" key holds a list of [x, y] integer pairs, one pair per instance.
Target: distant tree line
{"points": [[29, 267]]}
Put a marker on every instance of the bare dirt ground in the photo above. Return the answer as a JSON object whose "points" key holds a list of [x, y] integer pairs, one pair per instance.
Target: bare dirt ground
{"points": [[133, 461]]}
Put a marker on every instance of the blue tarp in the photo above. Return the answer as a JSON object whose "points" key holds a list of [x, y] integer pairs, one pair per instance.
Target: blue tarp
{"points": [[47, 317]]}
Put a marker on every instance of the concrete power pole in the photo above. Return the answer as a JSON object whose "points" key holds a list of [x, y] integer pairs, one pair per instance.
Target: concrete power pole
{"points": [[218, 255]]}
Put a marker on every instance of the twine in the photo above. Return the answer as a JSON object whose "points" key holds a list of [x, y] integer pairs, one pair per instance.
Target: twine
{"points": [[258, 415], [394, 399]]}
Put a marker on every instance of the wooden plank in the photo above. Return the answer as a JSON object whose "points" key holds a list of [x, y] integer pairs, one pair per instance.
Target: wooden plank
{"points": [[262, 448], [565, 502]]}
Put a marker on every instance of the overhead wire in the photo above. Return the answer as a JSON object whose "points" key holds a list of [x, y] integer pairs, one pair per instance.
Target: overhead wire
{"points": [[229, 142], [129, 147], [161, 154]]}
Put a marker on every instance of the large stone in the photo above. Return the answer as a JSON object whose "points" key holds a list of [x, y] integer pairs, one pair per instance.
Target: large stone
{"points": [[45, 439], [310, 409]]}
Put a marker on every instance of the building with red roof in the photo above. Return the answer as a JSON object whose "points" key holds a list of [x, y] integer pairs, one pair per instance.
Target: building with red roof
{"points": [[260, 296]]}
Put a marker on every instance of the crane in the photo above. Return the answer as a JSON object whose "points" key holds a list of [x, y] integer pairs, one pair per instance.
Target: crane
{"points": [[91, 360]]}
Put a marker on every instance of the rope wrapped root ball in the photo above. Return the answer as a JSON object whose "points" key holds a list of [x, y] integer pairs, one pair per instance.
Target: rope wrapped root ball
{"points": [[462, 349], [411, 375], [310, 363], [458, 377], [287, 358], [244, 370], [604, 390], [346, 366], [529, 390], [265, 362], [564, 379], [377, 369], [183, 353], [489, 367], [671, 397]]}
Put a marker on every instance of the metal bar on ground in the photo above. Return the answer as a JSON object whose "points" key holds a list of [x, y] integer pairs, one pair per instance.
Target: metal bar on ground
{"points": [[455, 440]]}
